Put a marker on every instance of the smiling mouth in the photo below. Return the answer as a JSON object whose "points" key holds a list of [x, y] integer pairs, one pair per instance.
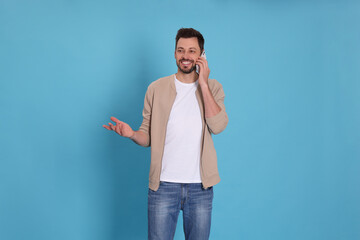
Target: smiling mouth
{"points": [[186, 63]]}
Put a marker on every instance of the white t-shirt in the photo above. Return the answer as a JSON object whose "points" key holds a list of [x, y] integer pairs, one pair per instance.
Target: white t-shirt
{"points": [[181, 158]]}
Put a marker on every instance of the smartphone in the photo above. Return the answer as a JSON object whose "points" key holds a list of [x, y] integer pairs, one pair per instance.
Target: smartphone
{"points": [[202, 55]]}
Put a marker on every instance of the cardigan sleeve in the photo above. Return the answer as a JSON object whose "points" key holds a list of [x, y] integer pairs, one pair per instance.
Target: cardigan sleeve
{"points": [[218, 123], [146, 123]]}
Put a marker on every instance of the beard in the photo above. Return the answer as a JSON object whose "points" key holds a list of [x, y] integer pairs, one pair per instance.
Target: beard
{"points": [[186, 71]]}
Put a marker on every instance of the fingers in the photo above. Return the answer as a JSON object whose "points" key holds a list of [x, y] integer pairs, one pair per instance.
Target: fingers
{"points": [[115, 120], [112, 126], [200, 60], [203, 61], [118, 129], [201, 64], [107, 127]]}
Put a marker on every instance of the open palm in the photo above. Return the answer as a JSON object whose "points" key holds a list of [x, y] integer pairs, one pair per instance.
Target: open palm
{"points": [[121, 128]]}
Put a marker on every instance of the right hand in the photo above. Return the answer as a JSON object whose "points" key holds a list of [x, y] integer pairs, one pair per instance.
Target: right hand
{"points": [[121, 128]]}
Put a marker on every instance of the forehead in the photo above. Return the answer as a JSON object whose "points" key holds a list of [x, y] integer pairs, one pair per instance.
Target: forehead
{"points": [[188, 43]]}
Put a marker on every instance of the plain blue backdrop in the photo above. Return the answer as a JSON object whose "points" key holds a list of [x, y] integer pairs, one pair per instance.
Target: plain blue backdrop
{"points": [[289, 159]]}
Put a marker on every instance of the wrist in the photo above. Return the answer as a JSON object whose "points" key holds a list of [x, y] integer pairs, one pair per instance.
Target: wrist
{"points": [[203, 85], [132, 136]]}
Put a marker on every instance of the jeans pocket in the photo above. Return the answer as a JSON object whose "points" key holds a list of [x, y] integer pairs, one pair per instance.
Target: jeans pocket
{"points": [[150, 191], [207, 189]]}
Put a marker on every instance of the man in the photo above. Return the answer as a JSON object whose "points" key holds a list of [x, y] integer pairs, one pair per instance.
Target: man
{"points": [[180, 113]]}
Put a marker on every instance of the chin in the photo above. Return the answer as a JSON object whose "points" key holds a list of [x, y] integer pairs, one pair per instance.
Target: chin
{"points": [[188, 71]]}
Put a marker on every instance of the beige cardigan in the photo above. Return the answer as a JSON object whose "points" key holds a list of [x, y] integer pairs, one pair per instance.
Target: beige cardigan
{"points": [[159, 98]]}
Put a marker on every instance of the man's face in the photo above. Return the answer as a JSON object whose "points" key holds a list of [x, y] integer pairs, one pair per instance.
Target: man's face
{"points": [[186, 53]]}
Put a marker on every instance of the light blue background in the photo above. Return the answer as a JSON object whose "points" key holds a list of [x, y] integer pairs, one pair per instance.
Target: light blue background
{"points": [[289, 159]]}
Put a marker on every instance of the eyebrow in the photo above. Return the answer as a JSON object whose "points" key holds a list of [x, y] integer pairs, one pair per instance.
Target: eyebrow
{"points": [[189, 48]]}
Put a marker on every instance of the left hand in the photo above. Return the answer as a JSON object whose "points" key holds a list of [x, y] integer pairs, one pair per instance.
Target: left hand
{"points": [[204, 71]]}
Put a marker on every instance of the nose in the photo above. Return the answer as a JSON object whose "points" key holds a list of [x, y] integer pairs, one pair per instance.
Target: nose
{"points": [[186, 55]]}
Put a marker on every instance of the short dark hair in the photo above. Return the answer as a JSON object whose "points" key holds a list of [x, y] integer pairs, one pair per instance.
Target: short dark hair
{"points": [[189, 33]]}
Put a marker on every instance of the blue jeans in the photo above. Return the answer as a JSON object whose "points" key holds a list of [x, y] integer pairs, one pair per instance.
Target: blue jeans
{"points": [[165, 204]]}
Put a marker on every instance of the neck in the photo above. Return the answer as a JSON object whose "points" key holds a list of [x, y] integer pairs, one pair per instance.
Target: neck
{"points": [[187, 78]]}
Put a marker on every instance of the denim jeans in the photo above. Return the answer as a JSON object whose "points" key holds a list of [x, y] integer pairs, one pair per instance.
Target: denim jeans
{"points": [[165, 204]]}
